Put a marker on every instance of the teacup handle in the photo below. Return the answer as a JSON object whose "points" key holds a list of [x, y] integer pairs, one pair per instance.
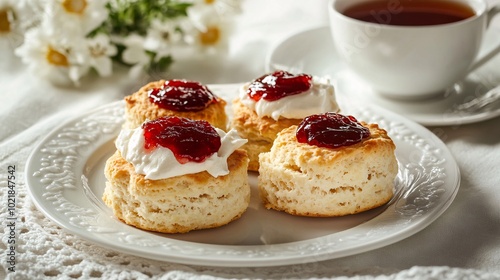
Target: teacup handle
{"points": [[490, 15]]}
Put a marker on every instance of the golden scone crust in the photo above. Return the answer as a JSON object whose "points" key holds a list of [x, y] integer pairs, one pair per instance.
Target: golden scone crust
{"points": [[260, 132], [138, 109], [178, 204], [306, 180]]}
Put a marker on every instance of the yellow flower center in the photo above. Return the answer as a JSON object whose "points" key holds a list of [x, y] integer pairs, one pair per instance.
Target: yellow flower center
{"points": [[209, 1], [56, 58], [97, 51], [74, 6], [4, 21], [210, 37]]}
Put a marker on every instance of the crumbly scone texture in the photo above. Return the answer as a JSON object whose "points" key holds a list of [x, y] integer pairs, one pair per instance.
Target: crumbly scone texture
{"points": [[260, 132], [139, 109], [306, 180], [178, 204]]}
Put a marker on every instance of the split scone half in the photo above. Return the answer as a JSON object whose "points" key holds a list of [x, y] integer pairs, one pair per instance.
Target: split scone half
{"points": [[307, 180], [178, 204], [139, 106], [275, 101], [151, 190]]}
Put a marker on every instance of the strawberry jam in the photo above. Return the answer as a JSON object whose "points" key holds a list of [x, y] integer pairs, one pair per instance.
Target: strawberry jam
{"points": [[277, 85], [331, 130], [188, 139], [182, 96]]}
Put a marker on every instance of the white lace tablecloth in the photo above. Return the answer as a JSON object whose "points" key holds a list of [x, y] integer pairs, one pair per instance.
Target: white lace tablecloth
{"points": [[464, 243]]}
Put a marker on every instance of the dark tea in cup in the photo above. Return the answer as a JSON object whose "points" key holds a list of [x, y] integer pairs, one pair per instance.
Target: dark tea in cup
{"points": [[410, 12], [416, 48]]}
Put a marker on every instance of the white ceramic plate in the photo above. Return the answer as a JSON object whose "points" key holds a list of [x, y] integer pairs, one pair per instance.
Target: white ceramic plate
{"points": [[318, 57], [65, 178]]}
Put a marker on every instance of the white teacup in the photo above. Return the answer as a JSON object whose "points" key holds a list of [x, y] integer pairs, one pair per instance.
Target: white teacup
{"points": [[408, 62]]}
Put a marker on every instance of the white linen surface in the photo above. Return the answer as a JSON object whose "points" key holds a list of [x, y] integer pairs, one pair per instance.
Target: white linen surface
{"points": [[464, 243]]}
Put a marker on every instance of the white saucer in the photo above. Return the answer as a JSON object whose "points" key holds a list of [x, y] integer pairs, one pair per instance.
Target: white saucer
{"points": [[318, 57]]}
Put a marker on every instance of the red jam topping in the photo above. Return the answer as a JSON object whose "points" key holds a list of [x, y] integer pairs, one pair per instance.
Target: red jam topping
{"points": [[182, 96], [331, 130], [189, 140], [277, 85]]}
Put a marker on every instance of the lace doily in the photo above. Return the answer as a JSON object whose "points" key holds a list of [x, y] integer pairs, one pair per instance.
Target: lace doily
{"points": [[45, 251]]}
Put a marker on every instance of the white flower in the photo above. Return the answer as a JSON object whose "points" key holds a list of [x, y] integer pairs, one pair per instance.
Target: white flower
{"points": [[57, 43], [135, 54], [100, 51], [74, 17], [15, 18], [211, 31], [29, 12], [221, 7], [59, 60], [214, 37], [202, 15], [161, 36]]}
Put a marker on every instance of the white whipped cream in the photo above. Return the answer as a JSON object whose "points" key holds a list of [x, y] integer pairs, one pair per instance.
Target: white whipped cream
{"points": [[160, 163], [319, 99]]}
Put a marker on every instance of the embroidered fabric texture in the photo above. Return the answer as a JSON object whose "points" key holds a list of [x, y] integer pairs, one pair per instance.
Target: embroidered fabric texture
{"points": [[57, 254], [60, 255]]}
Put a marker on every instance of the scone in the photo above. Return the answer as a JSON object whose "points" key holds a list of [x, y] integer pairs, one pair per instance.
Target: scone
{"points": [[276, 101], [153, 188], [259, 131], [188, 99], [309, 178]]}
